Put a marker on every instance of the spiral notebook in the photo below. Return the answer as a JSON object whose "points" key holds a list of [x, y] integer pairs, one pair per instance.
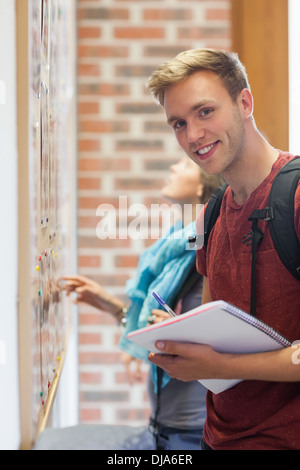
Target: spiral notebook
{"points": [[221, 325]]}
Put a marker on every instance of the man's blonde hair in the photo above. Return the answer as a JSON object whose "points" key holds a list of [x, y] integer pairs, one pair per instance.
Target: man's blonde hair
{"points": [[224, 64]]}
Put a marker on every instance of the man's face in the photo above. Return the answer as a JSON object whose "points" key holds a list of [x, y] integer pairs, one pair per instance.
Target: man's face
{"points": [[208, 125]]}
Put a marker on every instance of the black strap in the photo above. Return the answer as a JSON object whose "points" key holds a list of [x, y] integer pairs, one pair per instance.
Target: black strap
{"points": [[212, 210], [154, 424], [281, 223], [254, 237], [211, 214]]}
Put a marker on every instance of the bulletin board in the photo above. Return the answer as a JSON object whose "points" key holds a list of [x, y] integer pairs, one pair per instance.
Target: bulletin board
{"points": [[48, 152]]}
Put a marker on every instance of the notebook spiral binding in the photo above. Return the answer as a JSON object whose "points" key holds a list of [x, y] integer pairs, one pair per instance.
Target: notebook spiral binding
{"points": [[258, 324]]}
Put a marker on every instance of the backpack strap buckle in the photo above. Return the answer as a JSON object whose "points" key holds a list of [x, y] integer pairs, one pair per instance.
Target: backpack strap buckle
{"points": [[269, 214], [263, 214]]}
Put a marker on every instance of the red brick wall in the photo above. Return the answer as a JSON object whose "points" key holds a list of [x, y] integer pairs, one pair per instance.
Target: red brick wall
{"points": [[125, 149]]}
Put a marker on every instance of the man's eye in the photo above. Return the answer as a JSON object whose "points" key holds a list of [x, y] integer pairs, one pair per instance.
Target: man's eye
{"points": [[206, 112], [179, 124]]}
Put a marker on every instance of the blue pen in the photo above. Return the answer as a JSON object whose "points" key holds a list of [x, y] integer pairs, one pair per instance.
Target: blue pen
{"points": [[163, 304]]}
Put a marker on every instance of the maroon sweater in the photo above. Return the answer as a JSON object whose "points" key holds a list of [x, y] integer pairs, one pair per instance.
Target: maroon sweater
{"points": [[253, 414]]}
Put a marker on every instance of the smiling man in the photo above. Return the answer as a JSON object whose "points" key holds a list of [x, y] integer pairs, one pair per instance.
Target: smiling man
{"points": [[208, 103]]}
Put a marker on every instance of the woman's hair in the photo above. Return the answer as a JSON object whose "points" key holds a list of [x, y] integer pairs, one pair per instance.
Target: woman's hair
{"points": [[224, 64], [210, 184]]}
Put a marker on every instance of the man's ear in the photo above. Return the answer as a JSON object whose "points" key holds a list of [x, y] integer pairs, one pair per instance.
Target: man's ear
{"points": [[246, 104]]}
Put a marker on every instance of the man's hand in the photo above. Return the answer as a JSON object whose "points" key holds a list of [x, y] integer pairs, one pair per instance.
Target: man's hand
{"points": [[187, 361]]}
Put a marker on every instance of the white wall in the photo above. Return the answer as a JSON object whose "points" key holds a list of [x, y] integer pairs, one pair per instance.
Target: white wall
{"points": [[66, 407], [294, 75], [9, 403]]}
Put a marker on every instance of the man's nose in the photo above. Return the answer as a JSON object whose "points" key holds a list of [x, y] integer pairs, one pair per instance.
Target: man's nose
{"points": [[195, 131]]}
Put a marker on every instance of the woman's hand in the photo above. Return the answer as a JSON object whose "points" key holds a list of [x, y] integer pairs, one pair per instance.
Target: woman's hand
{"points": [[157, 316], [133, 368], [91, 293]]}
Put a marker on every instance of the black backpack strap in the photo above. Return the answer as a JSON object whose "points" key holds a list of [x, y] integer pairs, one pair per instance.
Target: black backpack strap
{"points": [[154, 426], [282, 209], [212, 211], [254, 237], [211, 214]]}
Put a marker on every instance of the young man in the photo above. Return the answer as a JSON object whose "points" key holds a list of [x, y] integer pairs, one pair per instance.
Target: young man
{"points": [[208, 103]]}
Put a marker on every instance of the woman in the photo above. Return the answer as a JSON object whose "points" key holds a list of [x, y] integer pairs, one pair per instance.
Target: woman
{"points": [[178, 409]]}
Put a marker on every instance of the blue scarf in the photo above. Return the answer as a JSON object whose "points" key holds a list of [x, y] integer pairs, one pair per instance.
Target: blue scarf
{"points": [[163, 267]]}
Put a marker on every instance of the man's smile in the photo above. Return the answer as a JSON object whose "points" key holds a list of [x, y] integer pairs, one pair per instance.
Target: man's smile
{"points": [[207, 150]]}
